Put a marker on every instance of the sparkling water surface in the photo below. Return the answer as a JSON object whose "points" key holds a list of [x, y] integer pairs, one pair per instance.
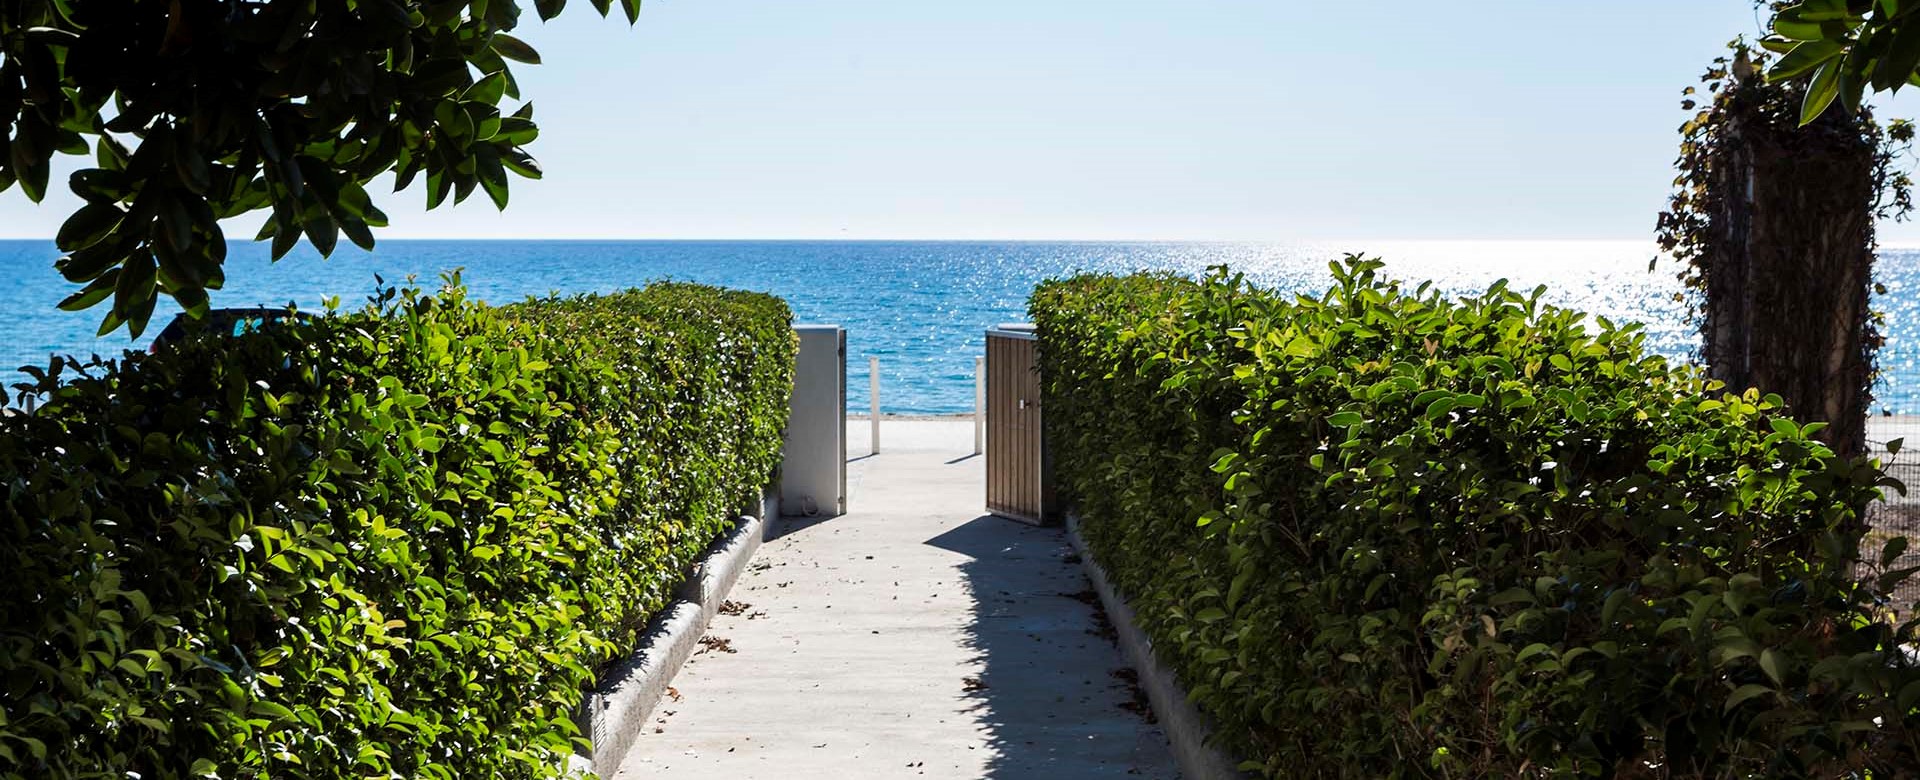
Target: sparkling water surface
{"points": [[920, 307]]}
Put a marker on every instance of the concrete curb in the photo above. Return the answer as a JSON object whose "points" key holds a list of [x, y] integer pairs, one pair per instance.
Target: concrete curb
{"points": [[1186, 726], [614, 714]]}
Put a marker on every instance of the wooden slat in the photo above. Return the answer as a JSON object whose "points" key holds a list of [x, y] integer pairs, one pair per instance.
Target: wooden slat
{"points": [[1029, 439], [993, 424], [997, 424], [1016, 365], [1010, 465], [997, 420], [1017, 437], [1029, 442]]}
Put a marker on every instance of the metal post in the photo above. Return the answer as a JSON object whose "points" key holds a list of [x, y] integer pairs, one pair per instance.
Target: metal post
{"points": [[873, 395], [979, 403]]}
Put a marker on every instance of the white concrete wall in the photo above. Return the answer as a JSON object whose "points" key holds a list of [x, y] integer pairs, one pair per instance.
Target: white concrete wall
{"points": [[813, 471]]}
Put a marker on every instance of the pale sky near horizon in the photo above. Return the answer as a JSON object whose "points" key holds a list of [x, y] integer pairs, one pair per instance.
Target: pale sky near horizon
{"points": [[1075, 119]]}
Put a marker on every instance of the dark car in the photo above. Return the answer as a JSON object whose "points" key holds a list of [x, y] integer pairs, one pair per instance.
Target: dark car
{"points": [[232, 322]]}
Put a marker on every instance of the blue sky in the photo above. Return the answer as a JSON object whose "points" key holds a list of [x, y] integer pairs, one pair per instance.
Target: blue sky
{"points": [[1118, 119]]}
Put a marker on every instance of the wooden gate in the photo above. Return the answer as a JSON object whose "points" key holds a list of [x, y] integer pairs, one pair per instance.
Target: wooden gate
{"points": [[1016, 457]]}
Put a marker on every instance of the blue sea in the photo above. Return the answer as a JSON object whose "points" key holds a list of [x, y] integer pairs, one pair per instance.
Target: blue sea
{"points": [[920, 307]]}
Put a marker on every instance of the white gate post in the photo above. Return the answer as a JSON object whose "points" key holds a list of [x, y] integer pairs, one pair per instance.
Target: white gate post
{"points": [[813, 470], [873, 395]]}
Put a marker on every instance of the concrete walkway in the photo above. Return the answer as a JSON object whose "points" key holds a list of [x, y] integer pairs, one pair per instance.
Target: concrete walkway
{"points": [[913, 637]]}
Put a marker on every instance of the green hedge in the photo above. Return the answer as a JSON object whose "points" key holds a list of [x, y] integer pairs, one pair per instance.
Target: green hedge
{"points": [[1379, 533], [393, 543]]}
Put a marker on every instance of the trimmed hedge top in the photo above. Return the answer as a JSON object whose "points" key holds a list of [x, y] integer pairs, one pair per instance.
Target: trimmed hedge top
{"points": [[1384, 534], [390, 543]]}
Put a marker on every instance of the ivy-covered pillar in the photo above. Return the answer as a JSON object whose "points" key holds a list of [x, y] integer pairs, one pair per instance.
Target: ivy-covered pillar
{"points": [[1774, 223], [1789, 264]]}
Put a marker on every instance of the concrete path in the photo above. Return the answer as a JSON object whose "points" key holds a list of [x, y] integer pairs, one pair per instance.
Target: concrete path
{"points": [[913, 637]]}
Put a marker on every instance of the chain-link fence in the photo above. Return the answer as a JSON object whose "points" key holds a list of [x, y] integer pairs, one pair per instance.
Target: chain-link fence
{"points": [[1896, 514]]}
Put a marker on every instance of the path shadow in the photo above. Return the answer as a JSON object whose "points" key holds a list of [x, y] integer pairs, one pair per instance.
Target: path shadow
{"points": [[1055, 697], [785, 525]]}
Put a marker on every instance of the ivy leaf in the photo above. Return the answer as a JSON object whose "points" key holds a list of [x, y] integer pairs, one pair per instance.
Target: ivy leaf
{"points": [[1894, 548]]}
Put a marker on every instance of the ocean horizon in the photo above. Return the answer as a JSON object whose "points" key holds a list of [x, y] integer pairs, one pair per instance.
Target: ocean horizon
{"points": [[922, 307]]}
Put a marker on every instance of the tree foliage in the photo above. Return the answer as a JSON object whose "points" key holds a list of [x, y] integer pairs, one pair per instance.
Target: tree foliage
{"points": [[1843, 47], [196, 111]]}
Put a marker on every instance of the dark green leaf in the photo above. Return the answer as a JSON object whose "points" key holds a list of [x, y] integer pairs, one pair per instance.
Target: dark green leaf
{"points": [[88, 225], [1820, 92], [515, 49], [1803, 59]]}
